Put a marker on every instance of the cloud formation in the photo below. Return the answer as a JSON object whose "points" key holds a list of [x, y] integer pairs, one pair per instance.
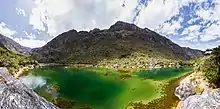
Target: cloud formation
{"points": [[4, 30], [187, 22]]}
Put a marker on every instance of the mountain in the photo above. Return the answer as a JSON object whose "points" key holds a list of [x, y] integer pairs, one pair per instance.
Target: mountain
{"points": [[122, 43], [13, 46]]}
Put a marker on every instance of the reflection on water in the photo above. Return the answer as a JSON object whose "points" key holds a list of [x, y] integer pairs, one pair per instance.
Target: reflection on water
{"points": [[32, 81], [101, 89], [162, 74]]}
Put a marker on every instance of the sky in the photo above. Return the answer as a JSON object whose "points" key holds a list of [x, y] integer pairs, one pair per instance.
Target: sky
{"points": [[189, 23]]}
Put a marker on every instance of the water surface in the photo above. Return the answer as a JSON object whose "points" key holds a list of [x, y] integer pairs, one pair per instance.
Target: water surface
{"points": [[103, 88]]}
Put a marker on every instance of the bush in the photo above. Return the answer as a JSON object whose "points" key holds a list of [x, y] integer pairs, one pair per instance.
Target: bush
{"points": [[211, 67], [13, 61]]}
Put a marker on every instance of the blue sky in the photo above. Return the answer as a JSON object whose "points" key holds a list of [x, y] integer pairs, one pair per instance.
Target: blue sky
{"points": [[189, 23]]}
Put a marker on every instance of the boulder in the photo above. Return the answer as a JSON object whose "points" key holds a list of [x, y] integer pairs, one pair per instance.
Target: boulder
{"points": [[184, 91], [208, 100], [15, 95]]}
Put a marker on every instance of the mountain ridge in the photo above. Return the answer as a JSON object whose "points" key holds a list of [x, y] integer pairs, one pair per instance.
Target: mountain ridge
{"points": [[13, 46], [120, 41]]}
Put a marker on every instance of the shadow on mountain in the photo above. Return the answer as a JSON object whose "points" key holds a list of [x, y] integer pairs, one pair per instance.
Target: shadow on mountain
{"points": [[119, 41]]}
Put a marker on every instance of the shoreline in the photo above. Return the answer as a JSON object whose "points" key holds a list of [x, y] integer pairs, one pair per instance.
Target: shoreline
{"points": [[23, 71], [168, 100], [198, 83]]}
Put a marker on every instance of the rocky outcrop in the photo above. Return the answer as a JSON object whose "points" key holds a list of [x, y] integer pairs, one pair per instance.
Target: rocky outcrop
{"points": [[15, 95], [192, 53], [118, 26], [208, 100], [192, 98], [184, 91]]}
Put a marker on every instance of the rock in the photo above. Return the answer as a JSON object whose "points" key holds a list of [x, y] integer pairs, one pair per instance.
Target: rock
{"points": [[15, 95], [118, 26], [208, 100], [115, 66], [180, 105], [184, 91]]}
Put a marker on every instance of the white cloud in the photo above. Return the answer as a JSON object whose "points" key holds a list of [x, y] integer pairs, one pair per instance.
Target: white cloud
{"points": [[169, 28], [193, 20], [211, 30], [192, 33], [29, 35], [58, 16], [211, 33], [157, 12], [20, 11], [205, 14], [30, 42], [194, 28], [55, 16], [4, 30], [50, 16]]}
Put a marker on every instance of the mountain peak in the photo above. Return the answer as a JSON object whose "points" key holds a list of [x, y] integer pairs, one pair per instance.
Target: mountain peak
{"points": [[120, 25]]}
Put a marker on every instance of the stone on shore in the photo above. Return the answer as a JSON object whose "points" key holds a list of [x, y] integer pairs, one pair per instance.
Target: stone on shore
{"points": [[184, 91], [208, 100], [191, 100]]}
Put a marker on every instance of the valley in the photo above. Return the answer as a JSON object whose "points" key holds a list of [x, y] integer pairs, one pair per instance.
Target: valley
{"points": [[110, 54], [123, 67]]}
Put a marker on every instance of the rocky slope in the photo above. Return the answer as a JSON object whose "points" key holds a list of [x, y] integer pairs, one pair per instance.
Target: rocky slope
{"points": [[15, 95], [200, 89], [13, 46], [121, 42], [192, 100]]}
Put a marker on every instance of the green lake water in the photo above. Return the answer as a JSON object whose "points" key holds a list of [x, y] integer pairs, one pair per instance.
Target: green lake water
{"points": [[103, 88]]}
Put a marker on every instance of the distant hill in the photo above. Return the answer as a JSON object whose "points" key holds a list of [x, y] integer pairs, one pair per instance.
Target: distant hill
{"points": [[12, 46], [122, 43], [12, 55]]}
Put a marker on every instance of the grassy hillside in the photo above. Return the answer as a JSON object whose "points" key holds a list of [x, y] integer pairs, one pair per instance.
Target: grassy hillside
{"points": [[14, 61], [123, 44], [210, 66]]}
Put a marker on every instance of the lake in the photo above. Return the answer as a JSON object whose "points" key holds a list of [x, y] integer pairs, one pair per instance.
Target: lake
{"points": [[99, 88]]}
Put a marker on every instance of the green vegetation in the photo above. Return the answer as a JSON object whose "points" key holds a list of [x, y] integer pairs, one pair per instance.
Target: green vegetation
{"points": [[210, 66], [64, 103], [198, 90], [14, 61], [123, 44], [101, 88]]}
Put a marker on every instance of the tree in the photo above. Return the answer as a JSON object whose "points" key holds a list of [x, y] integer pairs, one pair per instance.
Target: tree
{"points": [[216, 58]]}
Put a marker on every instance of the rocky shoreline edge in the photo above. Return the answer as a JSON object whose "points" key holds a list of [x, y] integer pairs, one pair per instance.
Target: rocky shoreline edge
{"points": [[15, 95], [195, 93]]}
